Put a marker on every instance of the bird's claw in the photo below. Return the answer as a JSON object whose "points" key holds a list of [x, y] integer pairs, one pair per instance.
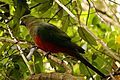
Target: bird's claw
{"points": [[47, 54]]}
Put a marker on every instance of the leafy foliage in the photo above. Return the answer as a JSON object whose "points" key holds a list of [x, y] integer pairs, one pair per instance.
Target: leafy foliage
{"points": [[102, 21]]}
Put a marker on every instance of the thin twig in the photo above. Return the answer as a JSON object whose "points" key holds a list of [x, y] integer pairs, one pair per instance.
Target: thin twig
{"points": [[89, 72], [3, 39], [66, 9], [106, 18], [58, 11], [111, 21], [58, 61], [113, 12], [20, 50], [88, 12], [38, 4], [54, 76], [79, 11], [114, 2], [112, 77]]}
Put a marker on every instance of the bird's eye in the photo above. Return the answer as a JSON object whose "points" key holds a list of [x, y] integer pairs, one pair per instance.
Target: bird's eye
{"points": [[22, 23]]}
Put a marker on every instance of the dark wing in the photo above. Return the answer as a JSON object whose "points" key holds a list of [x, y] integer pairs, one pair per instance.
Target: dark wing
{"points": [[52, 34]]}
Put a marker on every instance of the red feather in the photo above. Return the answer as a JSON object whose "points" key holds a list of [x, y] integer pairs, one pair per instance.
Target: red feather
{"points": [[47, 46]]}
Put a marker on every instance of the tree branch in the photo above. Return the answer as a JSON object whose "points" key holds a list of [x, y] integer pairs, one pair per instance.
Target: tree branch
{"points": [[38, 4], [114, 2], [3, 39], [20, 50], [109, 52], [58, 61], [54, 76], [66, 9], [106, 17]]}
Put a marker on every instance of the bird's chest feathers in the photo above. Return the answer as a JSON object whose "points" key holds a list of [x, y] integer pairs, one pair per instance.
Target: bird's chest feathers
{"points": [[45, 45]]}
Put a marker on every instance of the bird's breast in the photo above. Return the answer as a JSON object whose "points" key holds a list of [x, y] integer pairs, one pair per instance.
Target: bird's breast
{"points": [[47, 46]]}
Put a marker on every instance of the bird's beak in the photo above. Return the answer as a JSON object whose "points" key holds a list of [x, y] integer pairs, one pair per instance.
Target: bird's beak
{"points": [[22, 23]]}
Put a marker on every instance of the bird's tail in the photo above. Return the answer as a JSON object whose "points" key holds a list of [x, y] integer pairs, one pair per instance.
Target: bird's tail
{"points": [[76, 51], [78, 48], [84, 61]]}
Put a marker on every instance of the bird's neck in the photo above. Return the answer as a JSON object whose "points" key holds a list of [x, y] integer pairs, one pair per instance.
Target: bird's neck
{"points": [[31, 23]]}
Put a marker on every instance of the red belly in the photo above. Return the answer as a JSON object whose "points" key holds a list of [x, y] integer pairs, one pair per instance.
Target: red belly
{"points": [[47, 46]]}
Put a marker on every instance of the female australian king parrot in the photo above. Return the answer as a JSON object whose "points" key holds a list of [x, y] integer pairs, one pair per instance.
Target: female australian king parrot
{"points": [[49, 38]]}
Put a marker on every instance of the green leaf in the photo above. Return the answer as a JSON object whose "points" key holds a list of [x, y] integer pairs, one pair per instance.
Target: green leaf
{"points": [[17, 59], [84, 70], [65, 23], [76, 69], [38, 63], [94, 56], [15, 73], [2, 26], [4, 47], [60, 12], [45, 5], [95, 20], [111, 44], [85, 35], [7, 1], [23, 32], [21, 8]]}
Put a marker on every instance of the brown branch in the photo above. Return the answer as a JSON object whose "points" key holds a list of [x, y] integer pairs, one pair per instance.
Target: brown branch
{"points": [[106, 17], [58, 61], [113, 78], [66, 9], [114, 2], [3, 39], [20, 50], [54, 76]]}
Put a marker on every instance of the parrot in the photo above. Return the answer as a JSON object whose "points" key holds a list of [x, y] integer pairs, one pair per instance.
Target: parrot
{"points": [[51, 39]]}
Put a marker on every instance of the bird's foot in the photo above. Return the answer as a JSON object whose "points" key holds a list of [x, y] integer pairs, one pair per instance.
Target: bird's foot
{"points": [[34, 46], [47, 54]]}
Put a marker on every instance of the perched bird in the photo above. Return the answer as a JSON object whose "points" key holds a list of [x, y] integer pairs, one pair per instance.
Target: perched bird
{"points": [[49, 38]]}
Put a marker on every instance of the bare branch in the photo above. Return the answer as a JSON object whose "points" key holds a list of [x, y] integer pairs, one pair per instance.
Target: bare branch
{"points": [[66, 9], [20, 50], [54, 76], [3, 39], [112, 77], [58, 61], [114, 2], [108, 19]]}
